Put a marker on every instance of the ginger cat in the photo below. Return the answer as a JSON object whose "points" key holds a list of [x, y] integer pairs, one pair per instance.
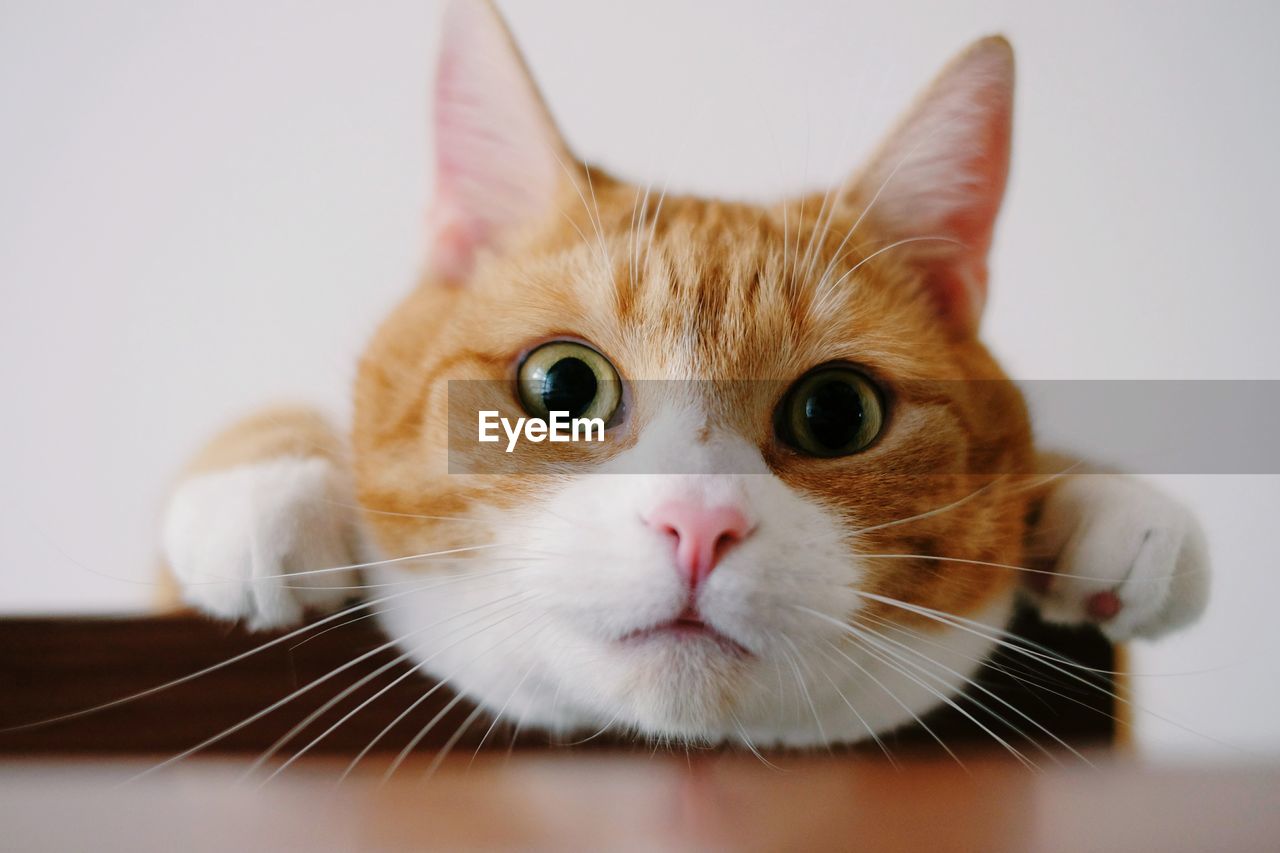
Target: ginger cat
{"points": [[849, 532]]}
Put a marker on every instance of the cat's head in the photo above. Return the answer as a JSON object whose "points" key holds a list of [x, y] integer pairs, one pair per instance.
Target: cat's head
{"points": [[801, 419]]}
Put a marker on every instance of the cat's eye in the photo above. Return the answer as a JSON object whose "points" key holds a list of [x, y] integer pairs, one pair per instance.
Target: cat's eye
{"points": [[566, 376], [833, 410]]}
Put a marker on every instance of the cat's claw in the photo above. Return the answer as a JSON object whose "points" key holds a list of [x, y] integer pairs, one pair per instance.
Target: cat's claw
{"points": [[1128, 558], [255, 542]]}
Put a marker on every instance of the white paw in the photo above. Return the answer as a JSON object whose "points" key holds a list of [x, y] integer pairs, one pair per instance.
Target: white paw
{"points": [[1126, 557], [237, 540]]}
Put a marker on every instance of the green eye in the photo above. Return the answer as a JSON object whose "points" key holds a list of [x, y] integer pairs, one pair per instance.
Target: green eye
{"points": [[565, 376], [831, 411]]}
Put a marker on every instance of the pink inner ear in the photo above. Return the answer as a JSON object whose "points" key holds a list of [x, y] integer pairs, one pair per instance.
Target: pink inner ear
{"points": [[964, 285], [942, 174], [959, 289], [498, 157], [453, 248]]}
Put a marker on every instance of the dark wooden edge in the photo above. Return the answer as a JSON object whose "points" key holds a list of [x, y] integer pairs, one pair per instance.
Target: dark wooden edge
{"points": [[53, 666]]}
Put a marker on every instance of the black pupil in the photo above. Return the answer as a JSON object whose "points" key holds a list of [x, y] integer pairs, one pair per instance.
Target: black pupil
{"points": [[834, 413], [569, 385]]}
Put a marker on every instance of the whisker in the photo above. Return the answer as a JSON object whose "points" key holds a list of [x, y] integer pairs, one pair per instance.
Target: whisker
{"points": [[1023, 645], [422, 733], [605, 260], [441, 683], [1048, 478], [596, 204], [965, 561], [822, 227], [598, 732], [930, 513], [894, 696], [151, 691], [1035, 484], [497, 717], [639, 210], [1020, 672], [1026, 647], [387, 562], [319, 712], [523, 564], [866, 211], [870, 731], [1034, 685], [804, 689], [444, 751], [395, 514], [400, 758], [273, 706], [653, 225], [746, 740], [277, 704], [978, 686], [895, 244], [460, 578], [874, 640], [947, 700]]}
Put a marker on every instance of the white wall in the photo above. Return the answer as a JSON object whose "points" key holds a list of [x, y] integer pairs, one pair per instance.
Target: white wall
{"points": [[208, 205]]}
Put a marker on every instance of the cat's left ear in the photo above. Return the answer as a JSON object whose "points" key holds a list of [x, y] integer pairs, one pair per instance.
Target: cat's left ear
{"points": [[500, 162], [934, 188]]}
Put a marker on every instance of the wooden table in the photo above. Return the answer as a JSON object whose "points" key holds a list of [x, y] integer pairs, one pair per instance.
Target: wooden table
{"points": [[599, 801], [61, 784], [53, 666]]}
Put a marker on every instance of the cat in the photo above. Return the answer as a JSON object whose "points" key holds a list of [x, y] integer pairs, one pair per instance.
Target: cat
{"points": [[811, 565]]}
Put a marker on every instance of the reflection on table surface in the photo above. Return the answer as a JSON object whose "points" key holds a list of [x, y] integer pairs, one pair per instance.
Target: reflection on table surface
{"points": [[664, 801]]}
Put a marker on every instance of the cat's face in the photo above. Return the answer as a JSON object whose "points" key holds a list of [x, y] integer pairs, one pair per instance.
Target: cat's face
{"points": [[799, 392]]}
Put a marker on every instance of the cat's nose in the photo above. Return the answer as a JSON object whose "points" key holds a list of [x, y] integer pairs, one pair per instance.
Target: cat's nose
{"points": [[702, 534]]}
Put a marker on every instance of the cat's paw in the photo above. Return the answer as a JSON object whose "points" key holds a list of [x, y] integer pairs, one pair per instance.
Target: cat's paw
{"points": [[246, 543], [1125, 557]]}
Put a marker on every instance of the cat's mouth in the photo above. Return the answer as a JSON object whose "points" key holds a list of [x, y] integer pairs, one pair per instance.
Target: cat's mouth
{"points": [[688, 627]]}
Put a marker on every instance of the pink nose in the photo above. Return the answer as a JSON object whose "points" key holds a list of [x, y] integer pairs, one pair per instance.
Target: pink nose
{"points": [[702, 534]]}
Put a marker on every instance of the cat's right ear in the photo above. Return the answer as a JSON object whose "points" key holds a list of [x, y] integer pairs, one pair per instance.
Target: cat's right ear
{"points": [[933, 190], [499, 160]]}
